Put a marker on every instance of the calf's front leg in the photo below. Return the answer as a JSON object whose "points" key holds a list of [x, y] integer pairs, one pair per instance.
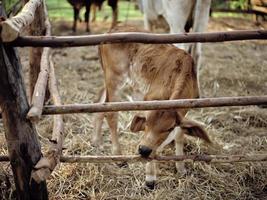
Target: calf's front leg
{"points": [[179, 151], [151, 174], [97, 139]]}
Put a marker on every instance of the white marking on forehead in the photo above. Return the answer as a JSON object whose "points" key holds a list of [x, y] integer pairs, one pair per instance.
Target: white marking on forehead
{"points": [[172, 135], [149, 136]]}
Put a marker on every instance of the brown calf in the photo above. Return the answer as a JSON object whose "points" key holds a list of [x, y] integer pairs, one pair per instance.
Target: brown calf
{"points": [[157, 72]]}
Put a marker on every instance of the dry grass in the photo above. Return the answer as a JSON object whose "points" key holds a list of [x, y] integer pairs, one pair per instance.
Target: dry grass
{"points": [[229, 69]]}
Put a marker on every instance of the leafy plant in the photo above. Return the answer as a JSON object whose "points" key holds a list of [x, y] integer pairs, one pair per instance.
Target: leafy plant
{"points": [[239, 4]]}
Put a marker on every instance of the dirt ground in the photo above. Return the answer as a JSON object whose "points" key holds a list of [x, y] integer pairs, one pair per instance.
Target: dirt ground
{"points": [[228, 69]]}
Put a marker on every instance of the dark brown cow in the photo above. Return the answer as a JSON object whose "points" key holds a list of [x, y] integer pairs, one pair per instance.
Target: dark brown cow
{"points": [[78, 4]]}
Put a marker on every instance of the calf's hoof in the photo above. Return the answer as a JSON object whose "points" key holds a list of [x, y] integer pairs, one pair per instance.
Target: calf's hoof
{"points": [[150, 185], [97, 141]]}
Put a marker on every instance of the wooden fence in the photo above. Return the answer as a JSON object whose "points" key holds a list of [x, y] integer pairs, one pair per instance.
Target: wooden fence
{"points": [[30, 168]]}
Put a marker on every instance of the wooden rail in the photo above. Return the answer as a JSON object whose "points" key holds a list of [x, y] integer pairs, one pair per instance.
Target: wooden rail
{"points": [[75, 41], [183, 158], [155, 105]]}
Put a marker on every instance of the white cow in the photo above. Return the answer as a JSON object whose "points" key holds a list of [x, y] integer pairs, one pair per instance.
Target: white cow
{"points": [[177, 13]]}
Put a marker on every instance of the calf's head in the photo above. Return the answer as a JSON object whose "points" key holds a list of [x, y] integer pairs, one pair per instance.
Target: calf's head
{"points": [[160, 128]]}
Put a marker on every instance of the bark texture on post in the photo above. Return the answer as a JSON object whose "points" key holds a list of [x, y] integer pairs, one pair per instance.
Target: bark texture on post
{"points": [[11, 28], [40, 87], [48, 163], [32, 14], [37, 28], [39, 92], [22, 140]]}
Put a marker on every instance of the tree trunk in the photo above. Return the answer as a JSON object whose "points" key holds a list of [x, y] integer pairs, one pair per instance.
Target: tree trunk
{"points": [[21, 136]]}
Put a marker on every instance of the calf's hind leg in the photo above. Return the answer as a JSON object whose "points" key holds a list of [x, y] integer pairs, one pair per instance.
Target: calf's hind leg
{"points": [[151, 174], [97, 139], [108, 95], [179, 151], [112, 117]]}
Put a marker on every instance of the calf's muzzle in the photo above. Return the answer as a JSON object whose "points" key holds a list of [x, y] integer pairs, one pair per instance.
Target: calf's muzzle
{"points": [[144, 151]]}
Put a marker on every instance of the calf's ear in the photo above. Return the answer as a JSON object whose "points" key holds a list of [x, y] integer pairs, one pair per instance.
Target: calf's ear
{"points": [[194, 129], [138, 124]]}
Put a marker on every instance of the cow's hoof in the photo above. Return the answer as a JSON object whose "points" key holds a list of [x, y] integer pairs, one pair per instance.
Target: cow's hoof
{"points": [[97, 140], [123, 165], [150, 185]]}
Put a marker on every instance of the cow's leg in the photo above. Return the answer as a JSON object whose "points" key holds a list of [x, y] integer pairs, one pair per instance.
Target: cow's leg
{"points": [[147, 23], [179, 150], [114, 6], [76, 17], [176, 13], [200, 24], [151, 174], [87, 15], [112, 119], [98, 121], [150, 13], [112, 84]]}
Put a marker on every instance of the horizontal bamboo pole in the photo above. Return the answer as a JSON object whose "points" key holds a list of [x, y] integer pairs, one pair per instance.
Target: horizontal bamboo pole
{"points": [[155, 105], [11, 28], [75, 41], [183, 158]]}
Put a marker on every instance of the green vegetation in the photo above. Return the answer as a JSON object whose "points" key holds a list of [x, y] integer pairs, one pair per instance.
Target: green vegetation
{"points": [[239, 4], [61, 9], [233, 4], [9, 4]]}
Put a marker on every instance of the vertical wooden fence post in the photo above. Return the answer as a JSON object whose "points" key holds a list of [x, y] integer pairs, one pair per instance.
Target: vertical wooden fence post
{"points": [[37, 28], [21, 136]]}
